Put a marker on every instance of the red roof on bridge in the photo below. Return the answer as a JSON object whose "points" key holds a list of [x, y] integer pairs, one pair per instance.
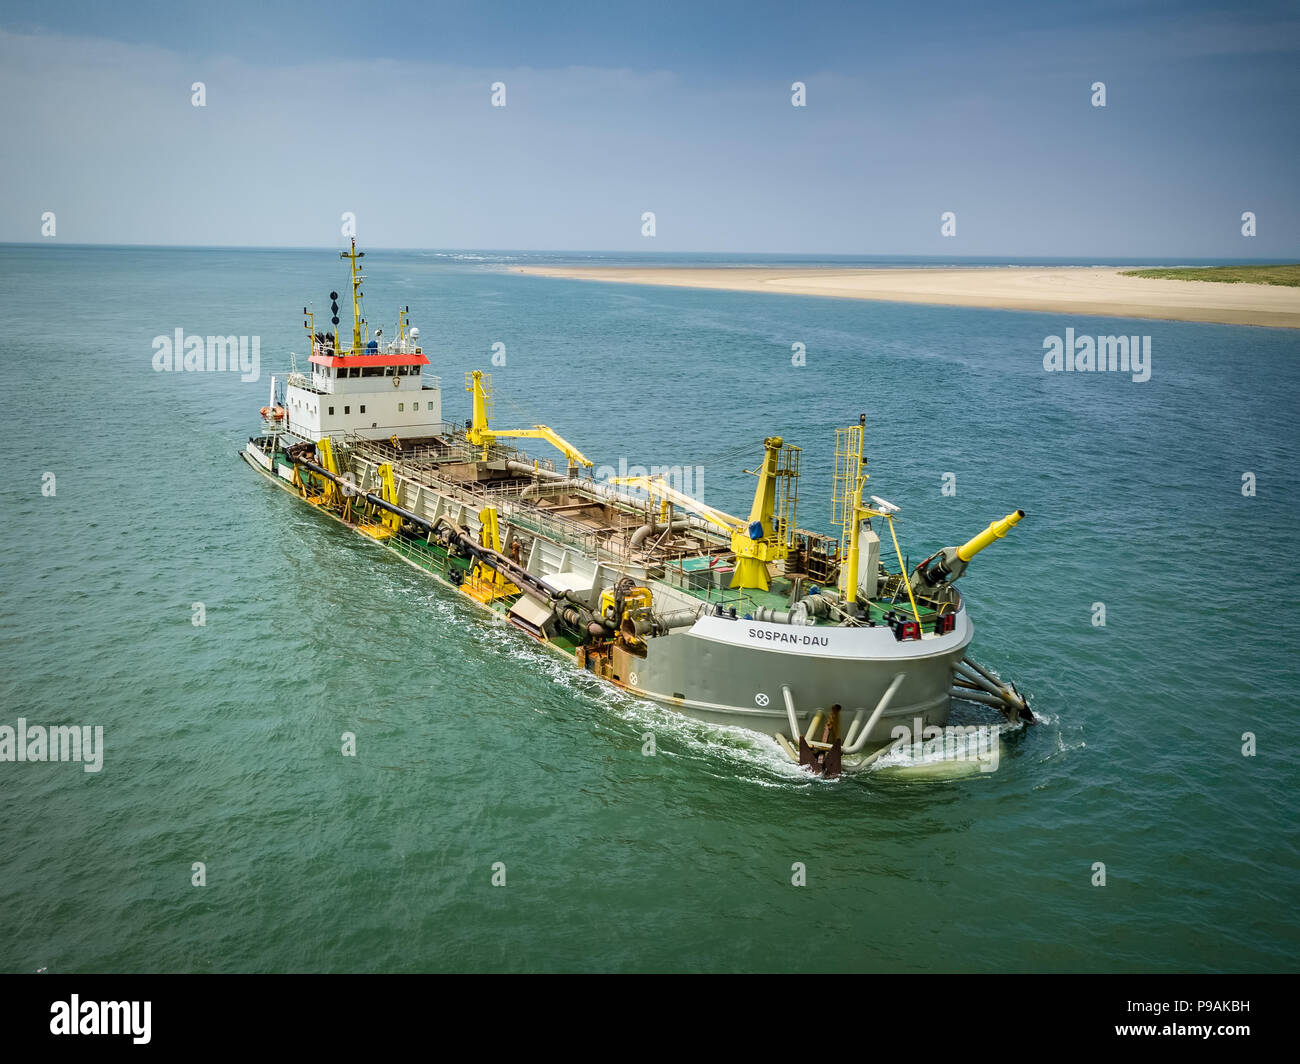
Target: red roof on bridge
{"points": [[348, 361]]}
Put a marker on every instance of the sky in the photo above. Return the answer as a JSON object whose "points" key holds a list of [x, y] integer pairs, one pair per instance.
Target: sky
{"points": [[385, 111]]}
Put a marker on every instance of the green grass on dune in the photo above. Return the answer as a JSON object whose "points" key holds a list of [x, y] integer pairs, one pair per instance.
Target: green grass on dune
{"points": [[1286, 275]]}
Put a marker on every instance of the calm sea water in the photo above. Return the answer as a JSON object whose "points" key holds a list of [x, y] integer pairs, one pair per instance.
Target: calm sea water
{"points": [[222, 742]]}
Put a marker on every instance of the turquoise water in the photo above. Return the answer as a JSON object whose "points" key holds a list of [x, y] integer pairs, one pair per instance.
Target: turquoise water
{"points": [[222, 742]]}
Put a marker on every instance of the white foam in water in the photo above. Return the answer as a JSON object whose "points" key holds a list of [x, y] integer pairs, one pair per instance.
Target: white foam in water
{"points": [[693, 738], [953, 755]]}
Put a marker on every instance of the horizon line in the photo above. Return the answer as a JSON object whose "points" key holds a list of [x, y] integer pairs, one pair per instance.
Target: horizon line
{"points": [[1158, 260]]}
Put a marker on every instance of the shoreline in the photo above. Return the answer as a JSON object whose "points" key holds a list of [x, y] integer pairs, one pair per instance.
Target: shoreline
{"points": [[1088, 290]]}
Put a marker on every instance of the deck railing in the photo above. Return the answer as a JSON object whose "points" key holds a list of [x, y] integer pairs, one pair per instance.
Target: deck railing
{"points": [[608, 544]]}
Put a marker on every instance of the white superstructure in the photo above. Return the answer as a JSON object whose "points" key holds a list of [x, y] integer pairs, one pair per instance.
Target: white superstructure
{"points": [[371, 389], [372, 395]]}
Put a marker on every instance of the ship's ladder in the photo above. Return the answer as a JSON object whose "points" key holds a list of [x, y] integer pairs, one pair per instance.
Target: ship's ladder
{"points": [[846, 486]]}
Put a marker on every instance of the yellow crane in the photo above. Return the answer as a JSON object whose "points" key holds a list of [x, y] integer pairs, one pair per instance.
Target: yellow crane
{"points": [[766, 536], [480, 434]]}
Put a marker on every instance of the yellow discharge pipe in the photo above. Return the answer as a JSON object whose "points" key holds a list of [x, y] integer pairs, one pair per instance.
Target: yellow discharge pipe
{"points": [[996, 530], [903, 568]]}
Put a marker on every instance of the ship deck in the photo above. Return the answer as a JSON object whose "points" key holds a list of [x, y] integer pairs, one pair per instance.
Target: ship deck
{"points": [[784, 591], [535, 497]]}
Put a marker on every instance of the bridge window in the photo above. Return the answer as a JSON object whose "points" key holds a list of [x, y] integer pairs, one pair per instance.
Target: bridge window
{"points": [[347, 410], [401, 407], [331, 411], [363, 409]]}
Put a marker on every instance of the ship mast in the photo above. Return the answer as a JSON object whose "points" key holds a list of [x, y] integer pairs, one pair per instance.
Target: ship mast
{"points": [[357, 278], [851, 472]]}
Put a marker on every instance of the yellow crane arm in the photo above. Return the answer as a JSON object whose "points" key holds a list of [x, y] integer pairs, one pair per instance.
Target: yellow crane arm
{"points": [[657, 486], [542, 432], [480, 434]]}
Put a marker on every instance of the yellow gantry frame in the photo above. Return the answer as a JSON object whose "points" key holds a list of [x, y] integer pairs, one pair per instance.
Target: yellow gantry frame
{"points": [[481, 435], [389, 523], [333, 494], [487, 583], [850, 466], [847, 511], [388, 492]]}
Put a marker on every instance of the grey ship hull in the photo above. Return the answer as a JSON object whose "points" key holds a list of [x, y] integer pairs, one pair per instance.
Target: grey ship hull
{"points": [[718, 669]]}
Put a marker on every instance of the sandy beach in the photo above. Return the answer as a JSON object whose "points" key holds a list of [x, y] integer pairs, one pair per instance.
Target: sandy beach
{"points": [[1067, 290]]}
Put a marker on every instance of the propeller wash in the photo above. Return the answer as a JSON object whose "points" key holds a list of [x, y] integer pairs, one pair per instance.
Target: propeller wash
{"points": [[804, 636]]}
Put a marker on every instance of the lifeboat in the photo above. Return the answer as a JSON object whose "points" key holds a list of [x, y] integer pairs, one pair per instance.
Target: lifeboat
{"points": [[273, 413]]}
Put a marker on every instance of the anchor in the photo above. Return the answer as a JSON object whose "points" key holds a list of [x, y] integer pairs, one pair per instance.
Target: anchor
{"points": [[824, 756]]}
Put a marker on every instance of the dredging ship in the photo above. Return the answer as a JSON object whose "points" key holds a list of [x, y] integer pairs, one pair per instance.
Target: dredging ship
{"points": [[804, 636]]}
